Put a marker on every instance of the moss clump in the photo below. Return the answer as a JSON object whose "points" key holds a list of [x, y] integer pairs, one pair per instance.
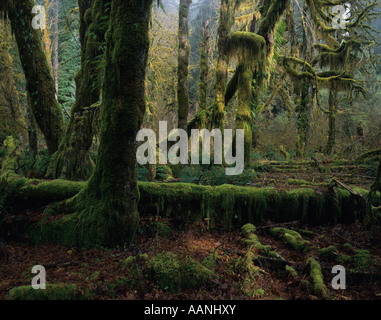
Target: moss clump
{"points": [[136, 268], [291, 271], [52, 292], [316, 275], [163, 229], [247, 229], [173, 274], [362, 260], [293, 238], [210, 261], [329, 253]]}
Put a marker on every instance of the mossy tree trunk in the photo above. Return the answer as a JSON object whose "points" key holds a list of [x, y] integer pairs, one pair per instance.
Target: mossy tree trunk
{"points": [[224, 29], [12, 121], [271, 12], [183, 65], [204, 50], [40, 83], [107, 206], [72, 161], [303, 121], [244, 117], [332, 101]]}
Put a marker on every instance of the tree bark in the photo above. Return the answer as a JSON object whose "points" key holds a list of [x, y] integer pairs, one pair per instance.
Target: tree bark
{"points": [[224, 29], [40, 83], [108, 204], [183, 65], [72, 160]]}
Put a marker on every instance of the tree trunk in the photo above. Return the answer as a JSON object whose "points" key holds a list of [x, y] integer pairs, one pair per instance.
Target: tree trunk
{"points": [[72, 161], [244, 117], [332, 100], [55, 45], [224, 29], [204, 49], [32, 130], [40, 83], [108, 203], [183, 64]]}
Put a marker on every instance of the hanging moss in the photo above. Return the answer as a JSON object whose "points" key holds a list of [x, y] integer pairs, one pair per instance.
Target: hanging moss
{"points": [[224, 29]]}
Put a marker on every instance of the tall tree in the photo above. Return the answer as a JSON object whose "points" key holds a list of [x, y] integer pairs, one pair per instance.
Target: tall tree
{"points": [[254, 52], [224, 29], [108, 203], [204, 68], [183, 65], [40, 83], [72, 160]]}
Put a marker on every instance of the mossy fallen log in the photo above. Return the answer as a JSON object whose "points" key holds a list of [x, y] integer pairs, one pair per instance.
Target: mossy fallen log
{"points": [[223, 206]]}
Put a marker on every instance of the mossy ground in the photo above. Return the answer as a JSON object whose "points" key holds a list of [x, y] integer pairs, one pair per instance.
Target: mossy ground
{"points": [[197, 263]]}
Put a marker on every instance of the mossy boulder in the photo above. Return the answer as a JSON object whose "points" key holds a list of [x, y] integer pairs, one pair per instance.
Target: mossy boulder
{"points": [[52, 292]]}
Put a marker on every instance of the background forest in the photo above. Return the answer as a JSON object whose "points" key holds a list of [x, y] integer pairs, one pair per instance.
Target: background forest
{"points": [[302, 78]]}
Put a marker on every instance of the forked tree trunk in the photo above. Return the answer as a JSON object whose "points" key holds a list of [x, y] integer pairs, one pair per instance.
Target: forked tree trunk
{"points": [[108, 203]]}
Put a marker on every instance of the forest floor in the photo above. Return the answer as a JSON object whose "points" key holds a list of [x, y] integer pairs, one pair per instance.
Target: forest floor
{"points": [[101, 274], [99, 270]]}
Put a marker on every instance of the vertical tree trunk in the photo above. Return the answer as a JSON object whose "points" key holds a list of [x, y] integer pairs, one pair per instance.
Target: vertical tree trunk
{"points": [[108, 203], [224, 29], [32, 130], [40, 83], [332, 100], [203, 84], [55, 45], [72, 160], [303, 123], [244, 118], [183, 65]]}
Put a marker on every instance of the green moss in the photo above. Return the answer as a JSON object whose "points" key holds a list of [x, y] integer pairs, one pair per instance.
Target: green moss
{"points": [[292, 238], [291, 271], [172, 274], [52, 292], [210, 261], [62, 231], [362, 260], [248, 228], [135, 270], [316, 275], [163, 229], [329, 253]]}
